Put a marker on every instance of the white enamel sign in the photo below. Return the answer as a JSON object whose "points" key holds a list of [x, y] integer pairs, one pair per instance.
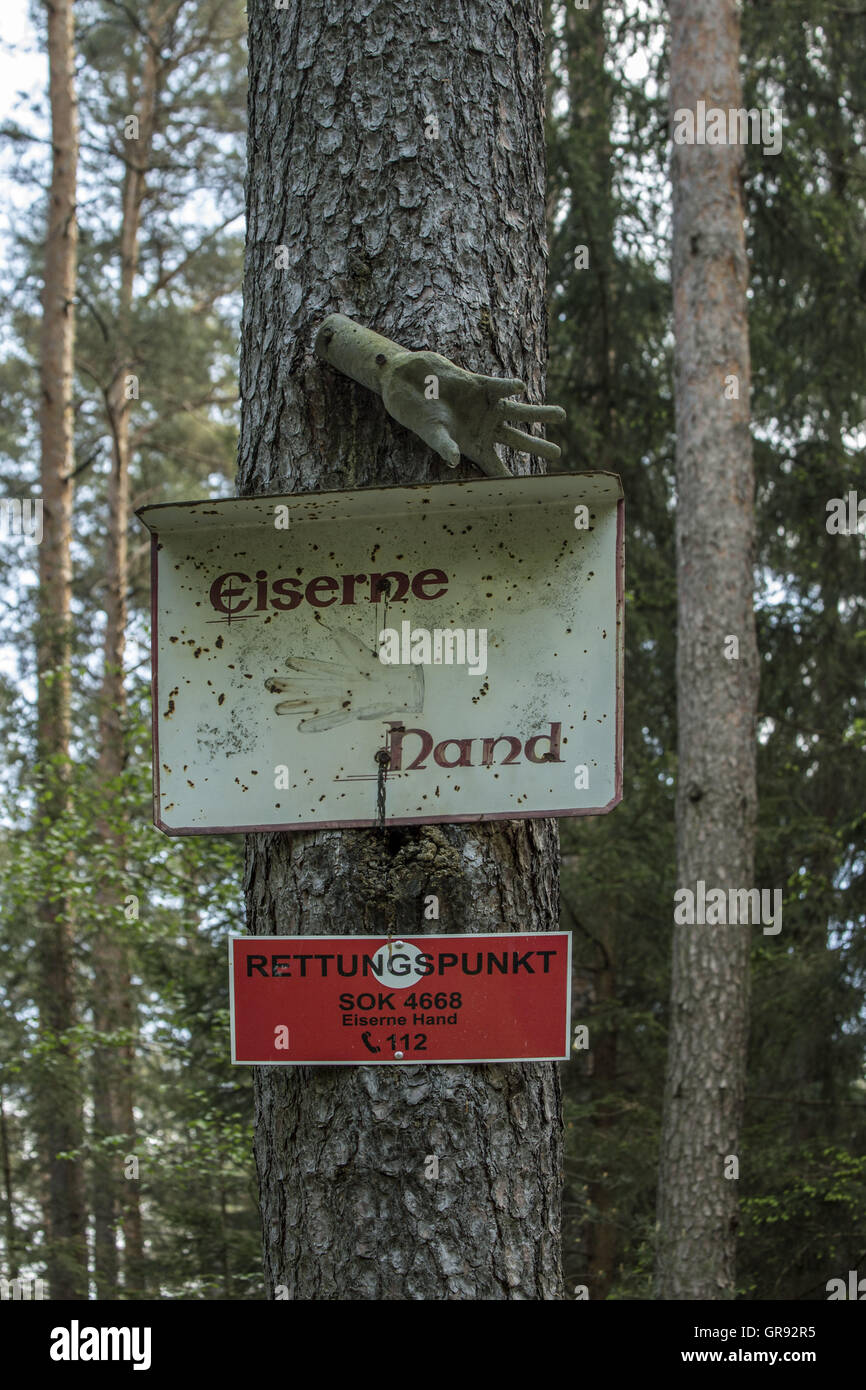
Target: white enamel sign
{"points": [[473, 630]]}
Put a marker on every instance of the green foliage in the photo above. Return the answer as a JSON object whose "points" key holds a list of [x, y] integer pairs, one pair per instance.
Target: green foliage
{"points": [[610, 362], [802, 1220], [193, 1110], [801, 1168]]}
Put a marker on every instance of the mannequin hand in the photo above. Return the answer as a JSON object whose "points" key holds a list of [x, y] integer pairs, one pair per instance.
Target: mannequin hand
{"points": [[458, 412]]}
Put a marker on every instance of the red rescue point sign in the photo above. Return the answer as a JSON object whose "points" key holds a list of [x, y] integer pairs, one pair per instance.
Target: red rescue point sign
{"points": [[361, 1000]]}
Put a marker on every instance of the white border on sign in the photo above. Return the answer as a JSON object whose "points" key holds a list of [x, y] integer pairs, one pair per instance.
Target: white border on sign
{"points": [[390, 1061], [346, 503]]}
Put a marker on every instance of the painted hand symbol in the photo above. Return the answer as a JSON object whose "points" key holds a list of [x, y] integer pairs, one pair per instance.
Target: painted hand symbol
{"points": [[358, 687]]}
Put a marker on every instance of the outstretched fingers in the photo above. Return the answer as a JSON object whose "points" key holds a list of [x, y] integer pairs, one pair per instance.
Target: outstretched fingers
{"points": [[316, 671], [358, 658], [528, 443], [320, 723], [492, 464], [435, 434], [524, 410], [497, 386]]}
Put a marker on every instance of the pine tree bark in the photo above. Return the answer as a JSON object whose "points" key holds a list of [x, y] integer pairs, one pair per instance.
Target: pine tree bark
{"points": [[398, 155], [114, 1009], [59, 1087], [716, 696]]}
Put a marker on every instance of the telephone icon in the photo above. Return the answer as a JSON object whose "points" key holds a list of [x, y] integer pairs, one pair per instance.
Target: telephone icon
{"points": [[371, 1047]]}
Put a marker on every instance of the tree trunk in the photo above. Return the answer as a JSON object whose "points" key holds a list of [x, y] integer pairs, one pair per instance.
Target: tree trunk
{"points": [[59, 1091], [716, 696], [398, 155], [113, 1005]]}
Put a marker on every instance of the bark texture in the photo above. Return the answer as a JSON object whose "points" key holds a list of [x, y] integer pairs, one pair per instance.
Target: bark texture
{"points": [[716, 697], [398, 156], [59, 1109]]}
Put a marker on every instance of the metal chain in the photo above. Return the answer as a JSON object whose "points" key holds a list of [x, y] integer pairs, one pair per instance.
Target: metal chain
{"points": [[384, 588], [383, 758]]}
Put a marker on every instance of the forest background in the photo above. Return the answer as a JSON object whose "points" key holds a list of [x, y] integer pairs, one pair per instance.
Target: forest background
{"points": [[162, 1123]]}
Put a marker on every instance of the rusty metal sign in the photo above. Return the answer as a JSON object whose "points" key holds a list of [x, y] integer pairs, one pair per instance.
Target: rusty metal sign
{"points": [[350, 1000], [442, 652]]}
